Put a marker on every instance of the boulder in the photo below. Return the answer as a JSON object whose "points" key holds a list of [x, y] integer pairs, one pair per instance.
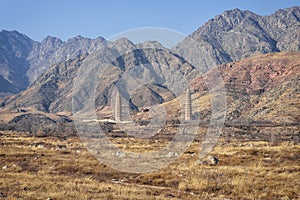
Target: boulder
{"points": [[209, 160]]}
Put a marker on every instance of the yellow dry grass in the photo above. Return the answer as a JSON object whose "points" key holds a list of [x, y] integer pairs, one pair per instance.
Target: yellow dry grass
{"points": [[39, 168]]}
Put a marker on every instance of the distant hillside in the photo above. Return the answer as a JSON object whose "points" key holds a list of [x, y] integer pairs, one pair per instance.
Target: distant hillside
{"points": [[259, 90], [262, 88], [14, 51], [52, 92], [23, 60], [236, 34]]}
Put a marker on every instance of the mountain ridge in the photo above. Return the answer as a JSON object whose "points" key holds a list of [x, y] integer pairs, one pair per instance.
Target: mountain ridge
{"points": [[21, 65], [230, 36], [226, 38], [262, 90], [155, 69]]}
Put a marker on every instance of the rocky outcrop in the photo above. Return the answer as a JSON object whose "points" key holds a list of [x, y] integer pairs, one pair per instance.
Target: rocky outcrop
{"points": [[40, 124]]}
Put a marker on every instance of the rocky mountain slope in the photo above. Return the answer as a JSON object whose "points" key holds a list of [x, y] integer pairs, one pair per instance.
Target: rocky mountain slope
{"points": [[52, 50], [152, 71], [264, 88], [260, 91], [231, 36], [14, 50], [236, 34], [23, 60]]}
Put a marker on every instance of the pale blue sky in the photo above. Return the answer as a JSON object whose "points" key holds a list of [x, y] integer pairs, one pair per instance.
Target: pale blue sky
{"points": [[93, 18]]}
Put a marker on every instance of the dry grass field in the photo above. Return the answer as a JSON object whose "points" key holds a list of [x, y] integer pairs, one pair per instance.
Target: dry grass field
{"points": [[61, 168]]}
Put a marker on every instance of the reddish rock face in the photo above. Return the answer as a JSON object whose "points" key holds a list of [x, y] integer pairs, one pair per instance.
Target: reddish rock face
{"points": [[263, 72], [264, 87], [257, 74]]}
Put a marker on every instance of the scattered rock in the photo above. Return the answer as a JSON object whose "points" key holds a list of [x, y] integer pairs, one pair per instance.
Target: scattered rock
{"points": [[36, 157], [40, 146], [210, 160], [170, 154], [78, 152], [4, 167], [2, 195], [173, 154], [118, 154], [62, 147]]}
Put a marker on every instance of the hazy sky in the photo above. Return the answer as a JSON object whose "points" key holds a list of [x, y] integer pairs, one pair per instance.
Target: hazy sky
{"points": [[93, 18]]}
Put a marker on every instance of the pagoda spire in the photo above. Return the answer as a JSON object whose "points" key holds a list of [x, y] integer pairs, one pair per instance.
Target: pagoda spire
{"points": [[188, 105], [118, 107]]}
